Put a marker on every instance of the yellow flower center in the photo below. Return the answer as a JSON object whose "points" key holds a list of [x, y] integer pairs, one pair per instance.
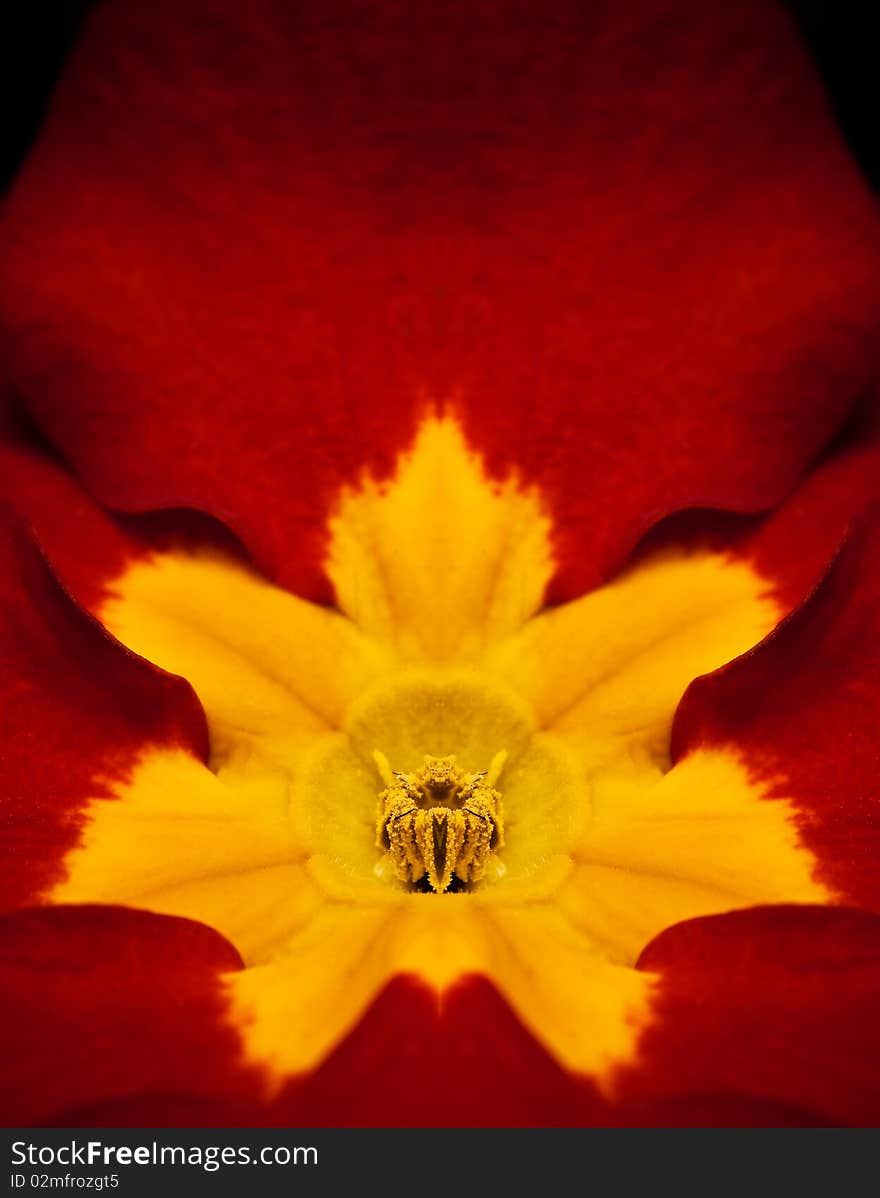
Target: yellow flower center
{"points": [[439, 778]]}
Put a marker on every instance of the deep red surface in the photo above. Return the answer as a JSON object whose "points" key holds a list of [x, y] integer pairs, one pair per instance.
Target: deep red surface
{"points": [[77, 711], [250, 248], [778, 1003], [803, 709], [85, 544], [131, 1032], [107, 1003], [254, 241], [795, 545]]}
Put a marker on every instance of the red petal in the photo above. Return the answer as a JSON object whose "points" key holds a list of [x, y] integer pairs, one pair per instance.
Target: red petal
{"points": [[100, 1004], [148, 1012], [796, 543], [471, 1063], [804, 708], [778, 1003], [253, 242], [85, 544], [77, 710]]}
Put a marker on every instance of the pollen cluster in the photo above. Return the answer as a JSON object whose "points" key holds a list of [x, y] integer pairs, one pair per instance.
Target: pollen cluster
{"points": [[440, 824]]}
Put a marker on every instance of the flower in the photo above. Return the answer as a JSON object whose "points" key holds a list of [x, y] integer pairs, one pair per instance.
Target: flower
{"points": [[497, 744]]}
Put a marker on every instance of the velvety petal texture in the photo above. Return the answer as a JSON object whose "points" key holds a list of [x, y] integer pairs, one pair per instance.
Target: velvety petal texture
{"points": [[777, 1003], [341, 338], [165, 1055], [220, 844], [254, 243], [78, 710], [803, 710], [134, 1008]]}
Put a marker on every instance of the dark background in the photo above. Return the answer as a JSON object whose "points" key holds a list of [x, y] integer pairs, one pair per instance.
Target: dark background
{"points": [[37, 34]]}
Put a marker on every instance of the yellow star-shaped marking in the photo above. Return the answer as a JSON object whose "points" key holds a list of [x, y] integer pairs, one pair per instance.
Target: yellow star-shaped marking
{"points": [[439, 648]]}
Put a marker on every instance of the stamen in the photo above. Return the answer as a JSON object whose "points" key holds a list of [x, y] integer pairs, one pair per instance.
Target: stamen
{"points": [[440, 823]]}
